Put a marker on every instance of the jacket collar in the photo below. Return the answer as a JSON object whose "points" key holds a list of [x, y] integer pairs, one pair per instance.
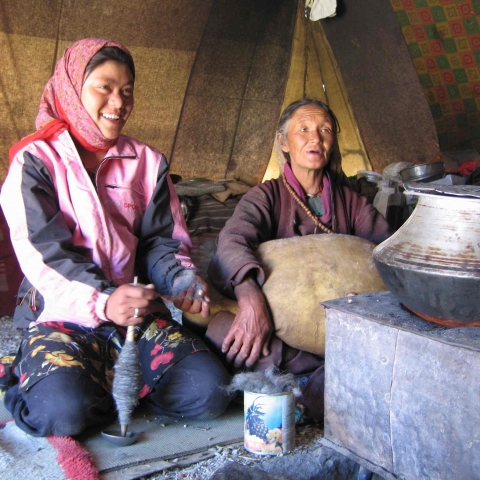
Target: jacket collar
{"points": [[123, 148]]}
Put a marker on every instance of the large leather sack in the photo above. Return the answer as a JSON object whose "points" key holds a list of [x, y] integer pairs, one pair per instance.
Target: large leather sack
{"points": [[301, 272]]}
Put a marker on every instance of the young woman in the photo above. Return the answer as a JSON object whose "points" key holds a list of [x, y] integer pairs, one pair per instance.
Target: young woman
{"points": [[90, 209]]}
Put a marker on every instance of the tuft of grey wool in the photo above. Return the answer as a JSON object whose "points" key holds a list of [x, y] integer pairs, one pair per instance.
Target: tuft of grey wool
{"points": [[182, 281], [127, 382], [268, 382]]}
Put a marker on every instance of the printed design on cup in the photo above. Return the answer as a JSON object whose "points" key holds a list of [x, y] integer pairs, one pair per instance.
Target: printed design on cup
{"points": [[264, 418]]}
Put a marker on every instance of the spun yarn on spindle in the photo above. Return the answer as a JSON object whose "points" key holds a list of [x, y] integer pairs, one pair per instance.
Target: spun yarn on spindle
{"points": [[127, 382]]}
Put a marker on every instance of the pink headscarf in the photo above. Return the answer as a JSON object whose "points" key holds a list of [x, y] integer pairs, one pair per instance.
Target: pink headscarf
{"points": [[61, 106]]}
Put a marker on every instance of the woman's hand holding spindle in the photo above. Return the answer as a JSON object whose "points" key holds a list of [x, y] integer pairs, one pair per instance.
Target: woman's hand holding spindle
{"points": [[129, 303]]}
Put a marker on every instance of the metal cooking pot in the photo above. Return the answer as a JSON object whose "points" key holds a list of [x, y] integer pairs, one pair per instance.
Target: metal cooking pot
{"points": [[432, 263]]}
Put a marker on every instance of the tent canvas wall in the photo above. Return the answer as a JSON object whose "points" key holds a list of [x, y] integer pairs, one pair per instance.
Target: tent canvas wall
{"points": [[214, 75], [210, 74]]}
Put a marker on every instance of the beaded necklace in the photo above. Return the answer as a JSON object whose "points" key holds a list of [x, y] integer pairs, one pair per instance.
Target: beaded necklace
{"points": [[315, 220]]}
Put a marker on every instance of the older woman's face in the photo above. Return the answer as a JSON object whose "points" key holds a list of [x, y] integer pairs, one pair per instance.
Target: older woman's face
{"points": [[310, 138]]}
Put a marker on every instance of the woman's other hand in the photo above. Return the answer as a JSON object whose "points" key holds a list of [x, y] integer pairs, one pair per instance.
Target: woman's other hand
{"points": [[250, 333], [190, 293], [121, 305]]}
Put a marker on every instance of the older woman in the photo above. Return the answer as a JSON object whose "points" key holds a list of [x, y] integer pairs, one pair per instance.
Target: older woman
{"points": [[305, 200]]}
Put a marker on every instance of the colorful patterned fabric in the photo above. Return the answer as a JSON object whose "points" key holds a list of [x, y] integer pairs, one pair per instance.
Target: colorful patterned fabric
{"points": [[443, 38], [61, 97], [50, 348], [60, 104]]}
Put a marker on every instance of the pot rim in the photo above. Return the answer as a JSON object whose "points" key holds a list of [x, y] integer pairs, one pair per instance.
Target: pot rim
{"points": [[470, 192]]}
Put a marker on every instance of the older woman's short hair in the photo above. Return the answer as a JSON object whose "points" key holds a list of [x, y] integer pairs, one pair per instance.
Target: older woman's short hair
{"points": [[285, 118]]}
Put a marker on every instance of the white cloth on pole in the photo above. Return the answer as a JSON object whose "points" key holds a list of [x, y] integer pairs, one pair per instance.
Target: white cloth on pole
{"points": [[321, 8]]}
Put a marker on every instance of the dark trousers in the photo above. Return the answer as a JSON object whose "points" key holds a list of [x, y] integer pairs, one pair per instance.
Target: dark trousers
{"points": [[64, 404], [282, 356]]}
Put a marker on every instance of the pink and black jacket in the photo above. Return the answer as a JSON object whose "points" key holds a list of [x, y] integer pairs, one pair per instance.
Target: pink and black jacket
{"points": [[77, 239]]}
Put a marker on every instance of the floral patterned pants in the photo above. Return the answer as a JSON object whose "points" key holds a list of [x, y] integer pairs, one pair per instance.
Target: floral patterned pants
{"points": [[88, 356], [54, 347]]}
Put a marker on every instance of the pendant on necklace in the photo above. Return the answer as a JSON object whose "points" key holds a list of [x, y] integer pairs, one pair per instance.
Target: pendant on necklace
{"points": [[315, 205]]}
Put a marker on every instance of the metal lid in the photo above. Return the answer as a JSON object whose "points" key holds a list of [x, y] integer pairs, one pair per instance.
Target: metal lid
{"points": [[470, 191], [424, 171]]}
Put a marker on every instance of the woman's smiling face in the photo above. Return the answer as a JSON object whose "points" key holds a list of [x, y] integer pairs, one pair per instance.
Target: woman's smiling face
{"points": [[310, 138], [107, 96]]}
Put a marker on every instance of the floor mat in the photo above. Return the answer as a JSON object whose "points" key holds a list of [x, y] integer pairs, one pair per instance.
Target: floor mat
{"points": [[4, 413], [53, 458], [164, 442]]}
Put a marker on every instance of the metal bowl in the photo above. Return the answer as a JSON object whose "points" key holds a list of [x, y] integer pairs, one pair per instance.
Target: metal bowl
{"points": [[425, 171], [115, 437], [370, 176]]}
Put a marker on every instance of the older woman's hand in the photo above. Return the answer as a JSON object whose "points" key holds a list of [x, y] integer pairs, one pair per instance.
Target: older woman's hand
{"points": [[250, 333]]}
